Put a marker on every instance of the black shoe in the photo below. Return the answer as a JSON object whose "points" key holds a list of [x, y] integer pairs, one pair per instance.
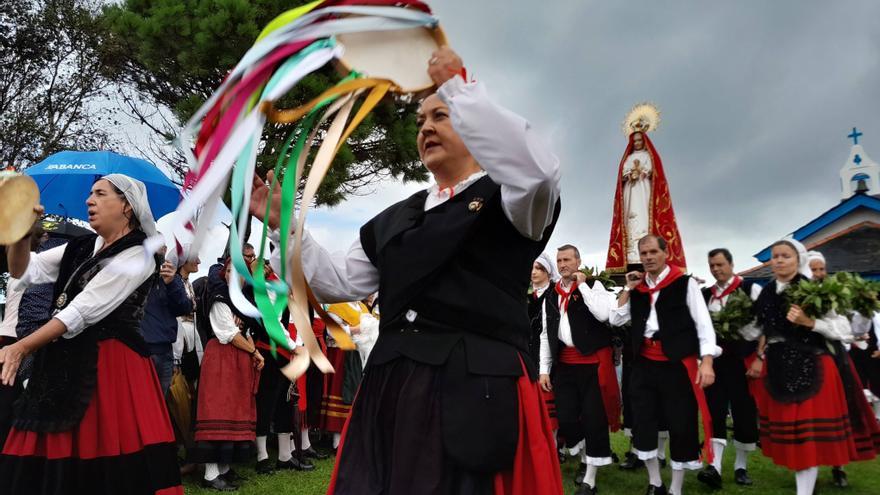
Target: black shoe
{"points": [[586, 489], [614, 458], [562, 456], [656, 490], [232, 477], [710, 477], [741, 476], [295, 464], [311, 453], [219, 484], [579, 475], [839, 475], [264, 467], [662, 462], [632, 462]]}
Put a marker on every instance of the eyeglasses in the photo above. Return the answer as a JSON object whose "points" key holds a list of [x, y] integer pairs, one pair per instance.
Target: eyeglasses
{"points": [[250, 257]]}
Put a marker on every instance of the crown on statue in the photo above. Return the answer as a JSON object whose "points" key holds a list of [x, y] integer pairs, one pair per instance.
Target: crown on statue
{"points": [[644, 117]]}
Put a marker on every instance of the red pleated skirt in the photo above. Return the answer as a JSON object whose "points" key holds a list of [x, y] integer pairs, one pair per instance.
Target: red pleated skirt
{"points": [[817, 431], [227, 410], [334, 412], [124, 443]]}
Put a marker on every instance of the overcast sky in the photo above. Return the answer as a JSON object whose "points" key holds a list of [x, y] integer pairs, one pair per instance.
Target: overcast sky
{"points": [[757, 99]]}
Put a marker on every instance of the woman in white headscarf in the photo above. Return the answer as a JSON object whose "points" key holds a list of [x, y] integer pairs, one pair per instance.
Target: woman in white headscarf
{"points": [[809, 416], [93, 418], [816, 262], [544, 278]]}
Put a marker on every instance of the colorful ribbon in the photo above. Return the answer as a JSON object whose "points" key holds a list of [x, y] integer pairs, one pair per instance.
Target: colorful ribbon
{"points": [[222, 139]]}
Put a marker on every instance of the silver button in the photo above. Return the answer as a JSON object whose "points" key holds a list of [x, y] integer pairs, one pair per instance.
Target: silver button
{"points": [[411, 316]]}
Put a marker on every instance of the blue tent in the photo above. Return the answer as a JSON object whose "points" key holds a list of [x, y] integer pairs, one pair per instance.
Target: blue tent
{"points": [[65, 180]]}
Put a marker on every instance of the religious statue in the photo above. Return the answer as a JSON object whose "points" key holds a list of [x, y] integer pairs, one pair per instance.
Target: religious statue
{"points": [[642, 204]]}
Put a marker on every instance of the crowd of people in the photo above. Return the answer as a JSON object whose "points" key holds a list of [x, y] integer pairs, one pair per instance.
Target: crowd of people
{"points": [[803, 389], [119, 373]]}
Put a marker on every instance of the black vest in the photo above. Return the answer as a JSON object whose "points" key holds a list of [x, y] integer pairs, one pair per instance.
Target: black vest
{"points": [[678, 332], [738, 348], [587, 333], [463, 268], [65, 371]]}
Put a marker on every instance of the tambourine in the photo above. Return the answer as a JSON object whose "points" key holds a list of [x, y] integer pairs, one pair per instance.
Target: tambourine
{"points": [[20, 195], [400, 56]]}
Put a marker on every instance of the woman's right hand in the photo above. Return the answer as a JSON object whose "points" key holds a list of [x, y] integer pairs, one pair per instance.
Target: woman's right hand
{"points": [[755, 369], [259, 361]]}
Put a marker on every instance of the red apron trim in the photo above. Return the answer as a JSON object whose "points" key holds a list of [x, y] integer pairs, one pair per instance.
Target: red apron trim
{"points": [[653, 350]]}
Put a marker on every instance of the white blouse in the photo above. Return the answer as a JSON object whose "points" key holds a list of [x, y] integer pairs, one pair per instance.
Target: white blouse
{"points": [[223, 322], [105, 292]]}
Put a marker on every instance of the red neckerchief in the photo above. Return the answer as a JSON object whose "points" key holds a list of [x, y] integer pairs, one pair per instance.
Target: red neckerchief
{"points": [[737, 281], [566, 295], [674, 273]]}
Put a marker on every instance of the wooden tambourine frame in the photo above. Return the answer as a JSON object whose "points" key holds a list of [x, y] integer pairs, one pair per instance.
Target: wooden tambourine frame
{"points": [[20, 195], [400, 56]]}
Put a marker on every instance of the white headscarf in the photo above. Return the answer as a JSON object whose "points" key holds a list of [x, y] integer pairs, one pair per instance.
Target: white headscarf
{"points": [[549, 264], [803, 257], [179, 259], [136, 193], [815, 255]]}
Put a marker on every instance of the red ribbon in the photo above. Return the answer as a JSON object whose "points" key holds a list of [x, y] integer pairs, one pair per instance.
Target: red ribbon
{"points": [[653, 350], [673, 275]]}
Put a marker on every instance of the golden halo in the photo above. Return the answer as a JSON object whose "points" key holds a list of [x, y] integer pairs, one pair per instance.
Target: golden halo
{"points": [[644, 117]]}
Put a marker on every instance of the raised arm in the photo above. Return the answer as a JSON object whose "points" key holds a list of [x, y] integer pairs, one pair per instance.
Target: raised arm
{"points": [[334, 277], [510, 151]]}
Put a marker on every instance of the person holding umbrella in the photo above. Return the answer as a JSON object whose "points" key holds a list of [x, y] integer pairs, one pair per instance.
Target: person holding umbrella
{"points": [[92, 419]]}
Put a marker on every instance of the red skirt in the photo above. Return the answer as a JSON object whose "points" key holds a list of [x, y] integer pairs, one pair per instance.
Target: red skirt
{"points": [[333, 411], [227, 410], [124, 443], [816, 431]]}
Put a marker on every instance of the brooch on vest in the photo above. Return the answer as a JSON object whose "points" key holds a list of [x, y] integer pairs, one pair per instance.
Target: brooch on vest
{"points": [[476, 204], [61, 301]]}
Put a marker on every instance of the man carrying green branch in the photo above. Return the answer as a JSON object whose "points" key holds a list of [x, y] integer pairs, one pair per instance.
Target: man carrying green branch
{"points": [[729, 301]]}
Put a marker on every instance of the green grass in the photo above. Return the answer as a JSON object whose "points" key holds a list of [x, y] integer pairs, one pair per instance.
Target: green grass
{"points": [[864, 478]]}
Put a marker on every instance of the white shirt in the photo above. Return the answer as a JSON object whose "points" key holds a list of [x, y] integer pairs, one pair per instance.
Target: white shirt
{"points": [[507, 149], [14, 291], [696, 306], [102, 294], [599, 301], [715, 305], [223, 322]]}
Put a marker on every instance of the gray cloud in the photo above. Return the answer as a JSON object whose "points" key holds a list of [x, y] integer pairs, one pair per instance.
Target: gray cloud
{"points": [[757, 99]]}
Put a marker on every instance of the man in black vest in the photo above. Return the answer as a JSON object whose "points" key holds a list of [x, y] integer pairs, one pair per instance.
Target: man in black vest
{"points": [[449, 402], [578, 352], [730, 392], [670, 328]]}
